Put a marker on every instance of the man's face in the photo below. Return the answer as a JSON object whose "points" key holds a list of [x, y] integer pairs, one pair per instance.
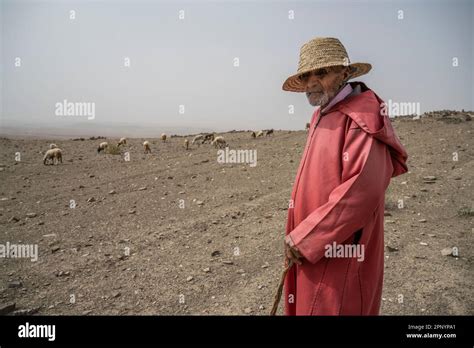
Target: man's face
{"points": [[323, 84]]}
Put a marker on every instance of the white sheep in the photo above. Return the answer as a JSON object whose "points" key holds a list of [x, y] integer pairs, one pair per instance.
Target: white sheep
{"points": [[163, 137], [196, 138], [53, 146], [53, 154], [146, 146], [259, 134], [186, 144], [102, 146], [122, 141], [219, 142]]}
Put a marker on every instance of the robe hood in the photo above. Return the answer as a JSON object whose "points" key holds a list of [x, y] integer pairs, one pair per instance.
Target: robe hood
{"points": [[363, 109]]}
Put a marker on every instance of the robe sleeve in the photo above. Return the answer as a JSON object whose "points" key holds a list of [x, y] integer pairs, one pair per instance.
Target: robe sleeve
{"points": [[366, 172]]}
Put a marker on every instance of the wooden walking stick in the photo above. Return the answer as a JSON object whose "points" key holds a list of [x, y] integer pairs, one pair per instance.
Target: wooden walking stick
{"points": [[276, 302]]}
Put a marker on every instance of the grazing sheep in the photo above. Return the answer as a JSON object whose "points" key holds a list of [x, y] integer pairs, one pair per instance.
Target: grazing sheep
{"points": [[269, 132], [259, 134], [253, 135], [102, 147], [196, 138], [122, 141], [209, 137], [163, 137], [307, 125], [219, 142], [146, 146], [53, 154], [53, 146], [186, 144]]}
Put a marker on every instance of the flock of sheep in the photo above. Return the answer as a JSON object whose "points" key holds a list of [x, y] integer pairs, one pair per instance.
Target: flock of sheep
{"points": [[54, 154], [123, 141], [211, 138], [262, 133]]}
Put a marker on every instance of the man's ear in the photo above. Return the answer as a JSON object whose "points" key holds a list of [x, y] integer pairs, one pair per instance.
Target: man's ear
{"points": [[347, 72]]}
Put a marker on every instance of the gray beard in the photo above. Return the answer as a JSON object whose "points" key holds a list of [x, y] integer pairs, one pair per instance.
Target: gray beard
{"points": [[322, 101]]}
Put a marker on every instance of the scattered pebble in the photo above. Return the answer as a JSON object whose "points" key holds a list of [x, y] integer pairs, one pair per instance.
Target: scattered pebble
{"points": [[26, 311], [447, 252], [429, 179], [15, 284], [7, 308]]}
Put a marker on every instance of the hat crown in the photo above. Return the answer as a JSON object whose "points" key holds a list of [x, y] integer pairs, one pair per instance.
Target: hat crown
{"points": [[322, 52]]}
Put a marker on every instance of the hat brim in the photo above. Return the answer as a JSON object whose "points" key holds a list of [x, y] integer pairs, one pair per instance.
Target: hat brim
{"points": [[294, 84]]}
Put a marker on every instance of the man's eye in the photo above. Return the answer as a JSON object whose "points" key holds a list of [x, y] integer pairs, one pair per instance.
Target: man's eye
{"points": [[320, 72], [304, 76]]}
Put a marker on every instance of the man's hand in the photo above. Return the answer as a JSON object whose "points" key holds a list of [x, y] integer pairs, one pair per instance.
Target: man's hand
{"points": [[292, 253]]}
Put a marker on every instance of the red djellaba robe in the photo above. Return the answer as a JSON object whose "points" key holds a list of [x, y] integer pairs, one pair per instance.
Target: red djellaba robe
{"points": [[339, 196]]}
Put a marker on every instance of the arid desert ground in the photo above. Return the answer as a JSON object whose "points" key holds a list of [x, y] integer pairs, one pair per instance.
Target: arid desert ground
{"points": [[176, 232]]}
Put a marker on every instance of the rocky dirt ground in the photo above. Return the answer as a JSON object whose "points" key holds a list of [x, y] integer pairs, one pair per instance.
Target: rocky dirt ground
{"points": [[175, 232]]}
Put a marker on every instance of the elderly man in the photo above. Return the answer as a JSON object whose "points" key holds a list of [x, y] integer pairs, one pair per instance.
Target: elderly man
{"points": [[334, 235]]}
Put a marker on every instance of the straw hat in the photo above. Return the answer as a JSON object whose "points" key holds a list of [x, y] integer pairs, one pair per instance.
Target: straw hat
{"points": [[322, 52]]}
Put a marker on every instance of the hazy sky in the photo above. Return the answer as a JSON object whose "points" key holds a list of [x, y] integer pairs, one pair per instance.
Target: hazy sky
{"points": [[190, 61]]}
